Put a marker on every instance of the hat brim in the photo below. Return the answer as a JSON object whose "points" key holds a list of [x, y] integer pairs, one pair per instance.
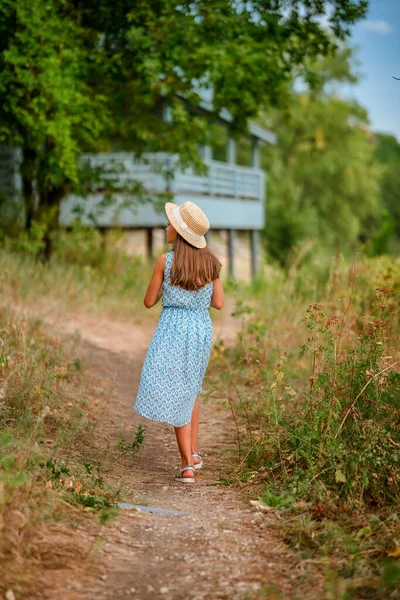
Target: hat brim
{"points": [[169, 208]]}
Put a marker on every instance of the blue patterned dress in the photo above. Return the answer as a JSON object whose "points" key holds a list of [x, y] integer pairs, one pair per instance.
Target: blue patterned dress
{"points": [[178, 354]]}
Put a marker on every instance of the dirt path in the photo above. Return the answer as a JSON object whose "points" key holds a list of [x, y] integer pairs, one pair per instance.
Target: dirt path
{"points": [[221, 547]]}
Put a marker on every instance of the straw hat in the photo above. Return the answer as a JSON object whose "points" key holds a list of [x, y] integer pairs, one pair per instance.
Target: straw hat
{"points": [[189, 221]]}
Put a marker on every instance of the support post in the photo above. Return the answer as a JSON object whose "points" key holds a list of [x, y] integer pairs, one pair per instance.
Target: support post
{"points": [[254, 252], [149, 243], [207, 152], [255, 154], [231, 252], [231, 150], [208, 237]]}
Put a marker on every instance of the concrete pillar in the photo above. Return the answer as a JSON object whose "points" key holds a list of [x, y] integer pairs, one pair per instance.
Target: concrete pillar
{"points": [[254, 252], [207, 152], [231, 252], [231, 150], [255, 154], [149, 243]]}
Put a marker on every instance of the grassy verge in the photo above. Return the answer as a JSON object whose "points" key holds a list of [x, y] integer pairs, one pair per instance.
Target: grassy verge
{"points": [[54, 472], [314, 391], [88, 271]]}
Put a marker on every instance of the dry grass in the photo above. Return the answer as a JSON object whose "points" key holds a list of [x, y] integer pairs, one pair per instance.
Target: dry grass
{"points": [[313, 385], [53, 468]]}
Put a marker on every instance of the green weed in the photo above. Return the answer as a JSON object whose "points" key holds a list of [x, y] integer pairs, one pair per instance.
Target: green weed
{"points": [[131, 449], [50, 463], [314, 394]]}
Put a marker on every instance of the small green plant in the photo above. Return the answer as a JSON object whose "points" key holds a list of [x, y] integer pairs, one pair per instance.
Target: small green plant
{"points": [[132, 448], [55, 468], [269, 498], [51, 464], [320, 383]]}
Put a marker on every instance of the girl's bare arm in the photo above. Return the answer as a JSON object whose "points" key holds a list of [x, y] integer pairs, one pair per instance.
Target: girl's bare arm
{"points": [[217, 298], [154, 291]]}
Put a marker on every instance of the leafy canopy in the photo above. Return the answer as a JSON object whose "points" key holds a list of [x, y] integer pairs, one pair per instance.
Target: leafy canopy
{"points": [[80, 73], [323, 177]]}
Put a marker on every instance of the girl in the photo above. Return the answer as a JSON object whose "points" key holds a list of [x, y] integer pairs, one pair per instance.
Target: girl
{"points": [[187, 278]]}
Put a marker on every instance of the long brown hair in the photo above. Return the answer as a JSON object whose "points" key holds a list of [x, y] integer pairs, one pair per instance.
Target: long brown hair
{"points": [[191, 267]]}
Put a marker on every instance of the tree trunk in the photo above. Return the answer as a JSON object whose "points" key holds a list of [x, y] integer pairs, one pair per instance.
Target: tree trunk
{"points": [[50, 207], [49, 199], [28, 169]]}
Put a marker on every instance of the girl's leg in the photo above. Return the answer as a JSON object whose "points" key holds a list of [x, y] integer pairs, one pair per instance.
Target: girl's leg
{"points": [[195, 430], [184, 439]]}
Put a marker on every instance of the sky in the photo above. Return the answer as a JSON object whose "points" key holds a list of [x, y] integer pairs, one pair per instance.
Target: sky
{"points": [[378, 39]]}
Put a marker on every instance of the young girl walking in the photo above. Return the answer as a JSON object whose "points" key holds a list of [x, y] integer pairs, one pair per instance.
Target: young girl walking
{"points": [[187, 278]]}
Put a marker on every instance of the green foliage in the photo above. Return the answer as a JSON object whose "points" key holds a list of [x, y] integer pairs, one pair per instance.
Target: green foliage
{"points": [[347, 435], [270, 499], [342, 444], [387, 152], [322, 177], [380, 241], [10, 478], [387, 149], [352, 549], [56, 468], [51, 465], [91, 76], [46, 99], [318, 385], [87, 267], [30, 242], [132, 448]]}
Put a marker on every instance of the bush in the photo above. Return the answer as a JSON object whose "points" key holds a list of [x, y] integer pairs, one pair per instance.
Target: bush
{"points": [[314, 392]]}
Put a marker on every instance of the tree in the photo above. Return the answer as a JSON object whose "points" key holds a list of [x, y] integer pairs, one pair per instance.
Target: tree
{"points": [[84, 75], [388, 154], [47, 106], [323, 180]]}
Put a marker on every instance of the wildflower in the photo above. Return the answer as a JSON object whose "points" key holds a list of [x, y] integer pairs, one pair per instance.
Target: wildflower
{"points": [[384, 291], [290, 391], [3, 388], [383, 378], [332, 321], [317, 310]]}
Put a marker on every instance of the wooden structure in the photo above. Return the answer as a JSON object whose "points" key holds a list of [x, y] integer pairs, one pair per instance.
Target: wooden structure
{"points": [[232, 196]]}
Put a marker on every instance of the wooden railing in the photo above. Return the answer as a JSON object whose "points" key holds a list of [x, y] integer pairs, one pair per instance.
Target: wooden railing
{"points": [[158, 172]]}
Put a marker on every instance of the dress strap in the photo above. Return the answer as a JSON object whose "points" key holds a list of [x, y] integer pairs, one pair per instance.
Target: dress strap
{"points": [[168, 260], [169, 257]]}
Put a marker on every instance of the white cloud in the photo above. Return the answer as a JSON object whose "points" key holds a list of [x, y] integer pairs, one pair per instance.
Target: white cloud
{"points": [[378, 26]]}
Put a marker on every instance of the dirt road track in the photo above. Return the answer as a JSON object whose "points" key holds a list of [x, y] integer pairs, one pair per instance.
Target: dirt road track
{"points": [[222, 548]]}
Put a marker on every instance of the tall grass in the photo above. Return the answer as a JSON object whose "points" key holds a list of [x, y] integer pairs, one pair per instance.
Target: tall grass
{"points": [[314, 382], [52, 466], [88, 270]]}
